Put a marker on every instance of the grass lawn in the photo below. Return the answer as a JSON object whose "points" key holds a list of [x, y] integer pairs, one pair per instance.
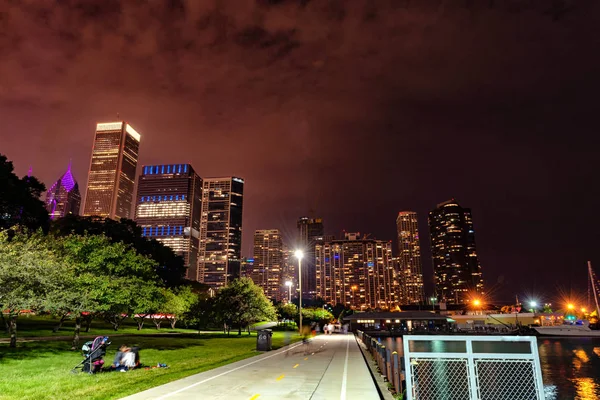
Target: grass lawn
{"points": [[41, 370], [34, 325]]}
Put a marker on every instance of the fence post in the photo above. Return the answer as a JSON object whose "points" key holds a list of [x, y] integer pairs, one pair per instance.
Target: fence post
{"points": [[396, 373], [388, 364]]}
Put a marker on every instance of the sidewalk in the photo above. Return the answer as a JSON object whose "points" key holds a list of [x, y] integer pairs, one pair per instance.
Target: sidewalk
{"points": [[334, 368]]}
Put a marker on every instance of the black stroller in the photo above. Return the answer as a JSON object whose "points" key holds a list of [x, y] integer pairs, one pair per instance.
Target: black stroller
{"points": [[92, 355]]}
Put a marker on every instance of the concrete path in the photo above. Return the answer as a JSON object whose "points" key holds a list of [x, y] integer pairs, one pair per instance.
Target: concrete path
{"points": [[333, 368]]}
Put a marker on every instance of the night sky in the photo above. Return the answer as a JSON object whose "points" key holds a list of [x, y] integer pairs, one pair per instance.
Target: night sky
{"points": [[352, 109]]}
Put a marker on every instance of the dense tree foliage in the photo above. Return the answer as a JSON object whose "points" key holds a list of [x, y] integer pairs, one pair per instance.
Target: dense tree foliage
{"points": [[20, 204], [169, 266], [242, 303]]}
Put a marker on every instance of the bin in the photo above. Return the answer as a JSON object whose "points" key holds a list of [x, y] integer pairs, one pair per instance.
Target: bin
{"points": [[263, 340]]}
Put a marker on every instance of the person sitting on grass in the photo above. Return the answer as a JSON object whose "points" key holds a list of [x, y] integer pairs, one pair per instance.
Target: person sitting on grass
{"points": [[126, 358]]}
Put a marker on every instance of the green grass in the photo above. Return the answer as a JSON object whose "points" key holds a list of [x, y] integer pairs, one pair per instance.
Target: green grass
{"points": [[41, 370], [35, 325]]}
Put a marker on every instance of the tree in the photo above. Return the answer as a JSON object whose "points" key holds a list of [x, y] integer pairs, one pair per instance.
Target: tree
{"points": [[316, 315], [20, 204], [287, 311], [28, 271], [169, 267], [177, 303], [242, 303]]}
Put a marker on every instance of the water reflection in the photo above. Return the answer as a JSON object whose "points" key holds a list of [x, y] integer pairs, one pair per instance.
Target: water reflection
{"points": [[570, 367]]}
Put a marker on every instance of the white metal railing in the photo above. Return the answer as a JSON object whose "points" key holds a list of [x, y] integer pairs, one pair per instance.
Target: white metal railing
{"points": [[472, 368]]}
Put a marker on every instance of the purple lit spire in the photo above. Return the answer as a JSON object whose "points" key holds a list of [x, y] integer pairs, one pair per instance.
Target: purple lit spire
{"points": [[67, 180]]}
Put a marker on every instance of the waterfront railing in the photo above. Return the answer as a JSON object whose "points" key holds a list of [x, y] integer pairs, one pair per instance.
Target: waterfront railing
{"points": [[389, 363]]}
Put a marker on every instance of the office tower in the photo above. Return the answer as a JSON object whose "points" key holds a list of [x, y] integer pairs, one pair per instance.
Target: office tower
{"points": [[409, 258], [168, 207], [111, 178], [456, 269], [268, 262], [63, 197], [311, 233], [219, 257], [289, 272], [356, 272]]}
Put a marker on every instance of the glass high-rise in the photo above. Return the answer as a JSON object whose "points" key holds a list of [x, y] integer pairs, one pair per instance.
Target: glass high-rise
{"points": [[219, 255], [409, 258], [311, 233], [112, 174], [456, 267], [357, 273], [268, 262], [63, 197], [168, 207]]}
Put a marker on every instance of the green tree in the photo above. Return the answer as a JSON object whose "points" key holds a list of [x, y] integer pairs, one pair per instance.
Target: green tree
{"points": [[169, 267], [287, 311], [28, 271], [177, 303], [20, 204], [242, 303]]}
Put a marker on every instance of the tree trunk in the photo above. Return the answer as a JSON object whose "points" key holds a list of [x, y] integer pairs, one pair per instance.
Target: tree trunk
{"points": [[59, 325], [4, 322], [140, 324], [157, 323], [173, 322], [88, 322], [75, 345], [239, 330], [248, 330], [12, 322]]}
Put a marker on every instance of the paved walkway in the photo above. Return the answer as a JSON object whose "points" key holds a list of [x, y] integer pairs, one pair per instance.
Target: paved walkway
{"points": [[334, 368]]}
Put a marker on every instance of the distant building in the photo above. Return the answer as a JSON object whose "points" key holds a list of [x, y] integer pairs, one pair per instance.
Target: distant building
{"points": [[356, 272], [168, 208], [455, 264], [268, 262], [409, 258], [311, 233], [63, 197], [289, 272], [219, 256], [112, 174]]}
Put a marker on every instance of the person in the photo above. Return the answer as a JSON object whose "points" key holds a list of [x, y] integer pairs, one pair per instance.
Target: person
{"points": [[118, 361], [325, 329]]}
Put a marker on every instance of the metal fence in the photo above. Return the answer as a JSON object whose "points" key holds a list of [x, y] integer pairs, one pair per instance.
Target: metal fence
{"points": [[472, 368]]}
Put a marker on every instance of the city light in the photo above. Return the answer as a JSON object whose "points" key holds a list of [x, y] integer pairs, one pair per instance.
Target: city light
{"points": [[570, 306], [533, 304], [476, 302], [583, 309], [288, 283], [299, 254]]}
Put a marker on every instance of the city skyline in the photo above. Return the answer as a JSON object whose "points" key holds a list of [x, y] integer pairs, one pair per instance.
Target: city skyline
{"points": [[409, 258], [314, 110]]}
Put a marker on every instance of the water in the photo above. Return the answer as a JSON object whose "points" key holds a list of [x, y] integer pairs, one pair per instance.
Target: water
{"points": [[570, 367]]}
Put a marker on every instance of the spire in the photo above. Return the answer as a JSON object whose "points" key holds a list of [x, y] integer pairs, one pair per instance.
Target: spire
{"points": [[67, 180], [29, 172]]}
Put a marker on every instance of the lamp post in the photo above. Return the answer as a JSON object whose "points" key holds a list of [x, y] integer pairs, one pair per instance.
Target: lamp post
{"points": [[476, 303], [299, 254], [433, 299], [289, 285]]}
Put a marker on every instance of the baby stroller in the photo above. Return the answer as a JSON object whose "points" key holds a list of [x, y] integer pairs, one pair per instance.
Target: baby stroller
{"points": [[92, 355]]}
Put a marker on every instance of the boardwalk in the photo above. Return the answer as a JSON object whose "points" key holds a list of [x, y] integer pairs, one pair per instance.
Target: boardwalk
{"points": [[333, 369]]}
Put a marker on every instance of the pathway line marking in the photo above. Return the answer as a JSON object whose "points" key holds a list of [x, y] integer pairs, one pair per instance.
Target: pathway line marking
{"points": [[345, 377], [254, 397], [224, 373], [280, 378], [305, 358], [296, 366]]}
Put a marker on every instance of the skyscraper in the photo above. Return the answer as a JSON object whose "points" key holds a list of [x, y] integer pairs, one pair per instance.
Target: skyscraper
{"points": [[168, 207], [112, 174], [268, 262], [311, 232], [409, 258], [356, 272], [455, 265], [219, 256], [63, 197]]}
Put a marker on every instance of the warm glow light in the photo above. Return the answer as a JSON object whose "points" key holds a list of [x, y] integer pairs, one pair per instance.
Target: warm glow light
{"points": [[133, 132], [354, 287], [288, 283], [299, 254], [570, 306], [476, 302], [583, 309], [109, 126]]}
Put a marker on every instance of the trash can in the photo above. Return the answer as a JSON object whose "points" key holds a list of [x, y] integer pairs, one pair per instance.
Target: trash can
{"points": [[263, 340]]}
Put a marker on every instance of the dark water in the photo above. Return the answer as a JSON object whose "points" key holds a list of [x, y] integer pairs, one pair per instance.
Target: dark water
{"points": [[570, 367]]}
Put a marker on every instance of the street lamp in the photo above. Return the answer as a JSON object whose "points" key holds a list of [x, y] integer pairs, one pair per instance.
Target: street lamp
{"points": [[289, 285], [433, 299], [299, 254], [570, 306], [533, 305]]}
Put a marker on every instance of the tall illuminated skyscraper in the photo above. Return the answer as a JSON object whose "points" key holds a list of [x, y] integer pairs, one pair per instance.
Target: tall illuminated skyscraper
{"points": [[356, 272], [409, 258], [268, 262], [455, 265], [63, 197], [311, 233], [168, 207], [219, 256], [112, 174]]}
